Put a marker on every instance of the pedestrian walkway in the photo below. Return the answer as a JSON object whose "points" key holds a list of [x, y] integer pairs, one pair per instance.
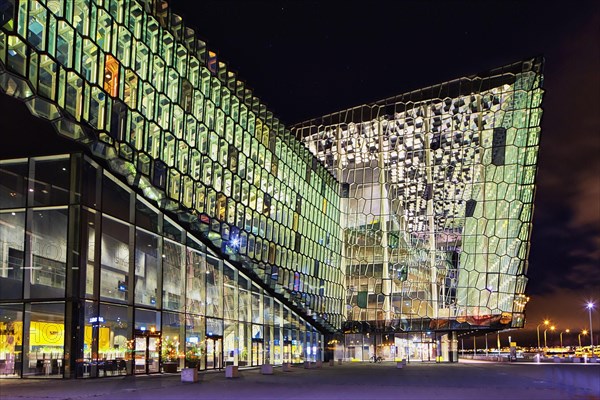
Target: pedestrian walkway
{"points": [[351, 381]]}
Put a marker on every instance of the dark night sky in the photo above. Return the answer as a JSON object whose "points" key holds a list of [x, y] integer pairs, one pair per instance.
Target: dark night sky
{"points": [[305, 59]]}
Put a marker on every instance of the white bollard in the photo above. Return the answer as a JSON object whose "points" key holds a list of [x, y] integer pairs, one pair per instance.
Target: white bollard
{"points": [[266, 369], [231, 371], [189, 375]]}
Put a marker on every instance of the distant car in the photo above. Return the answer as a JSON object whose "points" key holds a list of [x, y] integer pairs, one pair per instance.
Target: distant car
{"points": [[560, 353], [587, 352]]}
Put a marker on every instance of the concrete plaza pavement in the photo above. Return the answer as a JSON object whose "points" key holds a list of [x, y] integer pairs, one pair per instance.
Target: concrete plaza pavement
{"points": [[350, 381]]}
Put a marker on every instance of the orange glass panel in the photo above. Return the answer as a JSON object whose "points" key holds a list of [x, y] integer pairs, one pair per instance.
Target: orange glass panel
{"points": [[111, 76]]}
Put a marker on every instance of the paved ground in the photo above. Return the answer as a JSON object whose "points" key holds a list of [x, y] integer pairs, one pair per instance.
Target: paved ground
{"points": [[465, 381]]}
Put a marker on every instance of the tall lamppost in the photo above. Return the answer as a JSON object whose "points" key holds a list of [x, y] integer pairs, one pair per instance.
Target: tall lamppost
{"points": [[552, 328], [583, 332], [498, 343], [590, 307], [546, 322], [567, 330], [486, 345]]}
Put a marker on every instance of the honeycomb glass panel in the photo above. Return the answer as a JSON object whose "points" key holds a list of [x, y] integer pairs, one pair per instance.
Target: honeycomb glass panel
{"points": [[411, 208]]}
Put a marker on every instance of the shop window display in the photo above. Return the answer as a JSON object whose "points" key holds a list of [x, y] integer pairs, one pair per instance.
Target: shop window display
{"points": [[195, 342], [172, 344], [11, 340], [43, 347]]}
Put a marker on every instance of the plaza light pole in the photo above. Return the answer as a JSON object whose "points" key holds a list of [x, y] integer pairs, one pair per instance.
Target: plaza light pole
{"points": [[498, 344], [590, 307], [567, 330], [583, 332], [552, 329], [486, 345], [546, 322]]}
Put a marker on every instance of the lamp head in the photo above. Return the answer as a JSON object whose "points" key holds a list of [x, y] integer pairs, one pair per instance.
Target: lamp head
{"points": [[546, 322], [552, 328], [590, 305], [567, 330], [584, 332]]}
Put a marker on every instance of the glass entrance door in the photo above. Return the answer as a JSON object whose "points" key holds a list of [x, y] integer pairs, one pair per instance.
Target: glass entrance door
{"points": [[287, 351], [422, 351], [139, 359], [146, 354], [153, 355], [257, 351], [214, 352]]}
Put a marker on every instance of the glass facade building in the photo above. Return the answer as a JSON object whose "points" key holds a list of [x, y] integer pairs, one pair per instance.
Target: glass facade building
{"points": [[130, 82], [436, 201], [193, 227], [95, 281]]}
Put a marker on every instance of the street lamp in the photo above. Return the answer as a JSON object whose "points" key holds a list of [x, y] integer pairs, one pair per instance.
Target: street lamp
{"points": [[590, 307], [567, 330], [583, 332], [552, 328], [486, 345], [546, 322]]}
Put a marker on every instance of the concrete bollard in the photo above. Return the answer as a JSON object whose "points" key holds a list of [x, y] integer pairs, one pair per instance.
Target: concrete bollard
{"points": [[286, 367], [399, 365], [331, 363], [339, 361], [404, 361], [189, 375], [266, 369], [231, 371], [319, 364]]}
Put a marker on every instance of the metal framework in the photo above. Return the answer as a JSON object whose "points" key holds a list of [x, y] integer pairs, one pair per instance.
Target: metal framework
{"points": [[437, 200]]}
